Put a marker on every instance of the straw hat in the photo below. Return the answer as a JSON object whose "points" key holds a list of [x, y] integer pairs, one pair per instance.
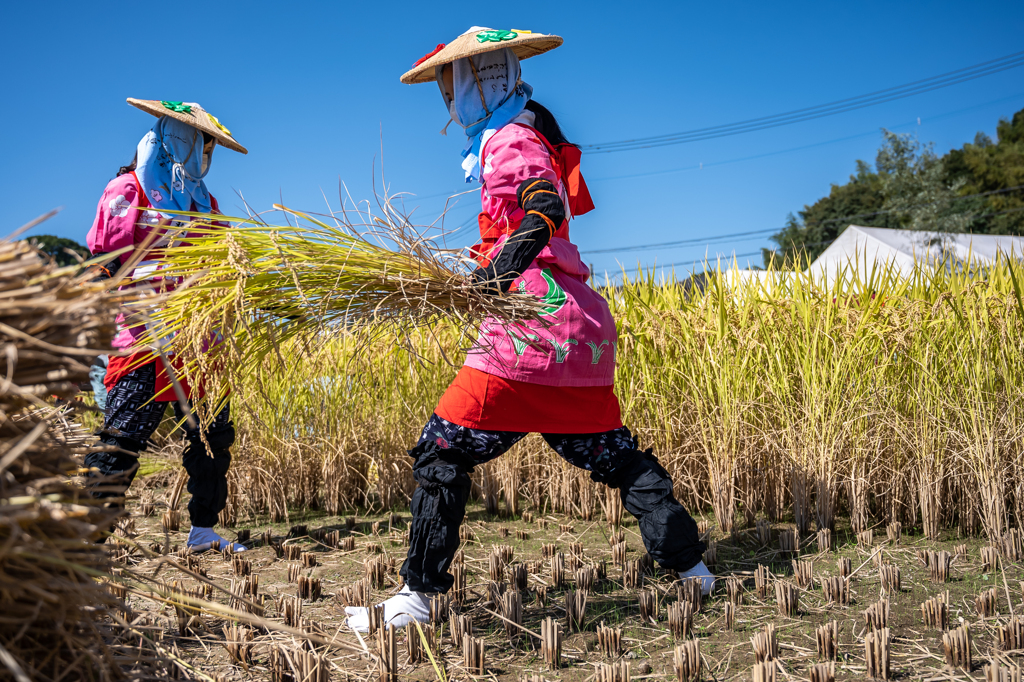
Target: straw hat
{"points": [[476, 41], [192, 114]]}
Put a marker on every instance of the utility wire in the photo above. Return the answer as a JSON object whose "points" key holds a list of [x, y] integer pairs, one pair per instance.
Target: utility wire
{"points": [[681, 242], [460, 192], [785, 248], [723, 237], [819, 111], [754, 157]]}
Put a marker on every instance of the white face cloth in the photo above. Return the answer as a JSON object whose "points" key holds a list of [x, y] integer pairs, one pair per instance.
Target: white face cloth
{"points": [[488, 95], [171, 167]]}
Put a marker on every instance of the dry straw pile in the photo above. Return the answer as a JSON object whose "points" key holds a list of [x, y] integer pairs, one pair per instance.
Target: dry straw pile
{"points": [[50, 601]]}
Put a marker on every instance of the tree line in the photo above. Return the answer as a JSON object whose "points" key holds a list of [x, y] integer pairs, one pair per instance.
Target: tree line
{"points": [[978, 188]]}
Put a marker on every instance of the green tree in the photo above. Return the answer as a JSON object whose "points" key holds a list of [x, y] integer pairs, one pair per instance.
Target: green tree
{"points": [[984, 166], [57, 248], [918, 194], [910, 187], [810, 232]]}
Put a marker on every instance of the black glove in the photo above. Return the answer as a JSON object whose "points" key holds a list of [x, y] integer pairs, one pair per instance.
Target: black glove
{"points": [[484, 278], [545, 213], [105, 272]]}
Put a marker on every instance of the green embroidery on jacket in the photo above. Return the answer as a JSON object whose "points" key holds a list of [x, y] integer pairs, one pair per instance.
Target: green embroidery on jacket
{"points": [[519, 343], [555, 298], [596, 351], [562, 350]]}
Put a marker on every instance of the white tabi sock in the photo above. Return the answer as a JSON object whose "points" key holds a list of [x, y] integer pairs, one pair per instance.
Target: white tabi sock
{"points": [[202, 539], [700, 571], [404, 608]]}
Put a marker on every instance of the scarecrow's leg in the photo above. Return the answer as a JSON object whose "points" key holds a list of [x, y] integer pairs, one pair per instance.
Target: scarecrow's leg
{"points": [[669, 532], [444, 458], [131, 417]]}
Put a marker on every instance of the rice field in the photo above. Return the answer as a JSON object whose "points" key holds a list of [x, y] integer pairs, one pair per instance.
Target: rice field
{"points": [[851, 451], [875, 400], [553, 597]]}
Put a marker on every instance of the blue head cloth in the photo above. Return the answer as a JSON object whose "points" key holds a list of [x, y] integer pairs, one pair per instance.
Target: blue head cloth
{"points": [[170, 167], [488, 96]]}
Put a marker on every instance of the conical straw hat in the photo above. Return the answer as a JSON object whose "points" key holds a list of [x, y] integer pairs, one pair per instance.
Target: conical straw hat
{"points": [[476, 41], [192, 114]]}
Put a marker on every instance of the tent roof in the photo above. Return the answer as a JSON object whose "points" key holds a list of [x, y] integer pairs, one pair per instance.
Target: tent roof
{"points": [[867, 246]]}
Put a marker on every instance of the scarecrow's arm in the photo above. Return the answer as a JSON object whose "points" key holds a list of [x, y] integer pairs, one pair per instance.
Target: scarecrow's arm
{"points": [[545, 213]]}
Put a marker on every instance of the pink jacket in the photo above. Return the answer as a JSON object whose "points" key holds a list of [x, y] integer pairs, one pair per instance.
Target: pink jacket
{"points": [[574, 342], [123, 218], [510, 156]]}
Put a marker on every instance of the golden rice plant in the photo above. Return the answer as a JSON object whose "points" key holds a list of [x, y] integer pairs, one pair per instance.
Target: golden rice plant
{"points": [[984, 366], [883, 397], [706, 350]]}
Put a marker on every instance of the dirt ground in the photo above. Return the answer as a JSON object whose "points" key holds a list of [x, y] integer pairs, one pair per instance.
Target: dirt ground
{"points": [[916, 651]]}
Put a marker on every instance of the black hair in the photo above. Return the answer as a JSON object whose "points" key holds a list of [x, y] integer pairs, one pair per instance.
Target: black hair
{"points": [[546, 124], [130, 167], [206, 140]]}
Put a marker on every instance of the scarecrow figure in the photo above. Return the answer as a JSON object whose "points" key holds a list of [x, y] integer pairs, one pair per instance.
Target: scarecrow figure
{"points": [[553, 375], [137, 210]]}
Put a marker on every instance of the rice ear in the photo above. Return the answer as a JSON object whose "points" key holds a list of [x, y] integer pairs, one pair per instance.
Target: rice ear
{"points": [[252, 286]]}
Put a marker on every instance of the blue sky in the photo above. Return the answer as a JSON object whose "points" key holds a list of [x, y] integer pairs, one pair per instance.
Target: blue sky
{"points": [[312, 90]]}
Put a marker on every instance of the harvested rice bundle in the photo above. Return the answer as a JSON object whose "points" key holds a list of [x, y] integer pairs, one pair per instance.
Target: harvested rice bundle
{"points": [[257, 285], [49, 597]]}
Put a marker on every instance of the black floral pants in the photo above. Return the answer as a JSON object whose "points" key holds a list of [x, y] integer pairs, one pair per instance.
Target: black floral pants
{"points": [[445, 457], [131, 417]]}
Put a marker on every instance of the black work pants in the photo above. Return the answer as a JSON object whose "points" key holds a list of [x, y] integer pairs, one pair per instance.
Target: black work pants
{"points": [[131, 417], [445, 457]]}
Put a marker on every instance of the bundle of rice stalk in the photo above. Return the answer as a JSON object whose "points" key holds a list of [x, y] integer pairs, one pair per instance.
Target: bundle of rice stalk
{"points": [[50, 600], [254, 285]]}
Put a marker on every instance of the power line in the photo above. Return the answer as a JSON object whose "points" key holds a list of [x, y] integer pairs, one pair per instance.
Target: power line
{"points": [[681, 242], [725, 237], [459, 192], [713, 164], [787, 248], [464, 227], [819, 111]]}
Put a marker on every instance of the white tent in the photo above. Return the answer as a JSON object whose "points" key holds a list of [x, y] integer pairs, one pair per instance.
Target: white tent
{"points": [[866, 248]]}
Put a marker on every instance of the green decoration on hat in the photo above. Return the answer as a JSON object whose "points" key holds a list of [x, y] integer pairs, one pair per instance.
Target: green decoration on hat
{"points": [[495, 36], [177, 107]]}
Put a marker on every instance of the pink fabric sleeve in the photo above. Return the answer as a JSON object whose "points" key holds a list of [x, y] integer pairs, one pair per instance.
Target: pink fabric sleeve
{"points": [[116, 216], [512, 155]]}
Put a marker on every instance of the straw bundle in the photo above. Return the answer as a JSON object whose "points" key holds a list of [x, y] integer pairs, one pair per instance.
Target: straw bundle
{"points": [[258, 285], [49, 561]]}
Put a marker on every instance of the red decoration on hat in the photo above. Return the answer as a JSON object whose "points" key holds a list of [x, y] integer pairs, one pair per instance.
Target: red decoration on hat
{"points": [[428, 55]]}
